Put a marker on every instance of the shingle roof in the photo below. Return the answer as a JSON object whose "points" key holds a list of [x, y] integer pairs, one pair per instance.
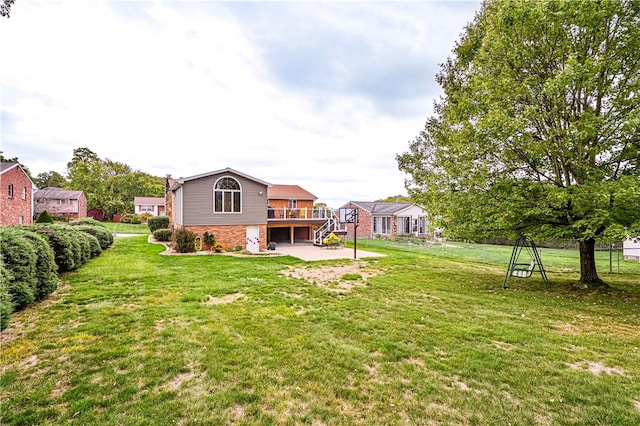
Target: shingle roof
{"points": [[149, 201], [178, 182], [56, 194], [4, 166], [381, 208], [289, 192]]}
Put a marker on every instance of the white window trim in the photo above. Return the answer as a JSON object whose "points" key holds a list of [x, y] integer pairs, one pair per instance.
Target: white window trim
{"points": [[239, 191]]}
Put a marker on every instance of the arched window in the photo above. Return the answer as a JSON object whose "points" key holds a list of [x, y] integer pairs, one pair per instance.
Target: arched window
{"points": [[227, 196]]}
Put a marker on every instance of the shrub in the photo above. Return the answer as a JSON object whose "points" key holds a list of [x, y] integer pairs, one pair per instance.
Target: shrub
{"points": [[46, 269], [130, 218], [87, 221], [20, 260], [6, 307], [105, 238], [144, 217], [44, 217], [158, 222], [184, 241], [209, 240], [238, 248], [162, 234]]}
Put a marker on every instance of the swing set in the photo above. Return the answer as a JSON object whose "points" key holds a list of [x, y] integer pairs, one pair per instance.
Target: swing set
{"points": [[525, 270]]}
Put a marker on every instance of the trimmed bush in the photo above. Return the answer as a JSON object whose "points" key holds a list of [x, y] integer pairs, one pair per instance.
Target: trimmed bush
{"points": [[163, 234], [6, 307], [184, 241], [105, 238], [44, 217], [130, 218], [88, 221], [20, 260], [158, 222], [46, 269]]}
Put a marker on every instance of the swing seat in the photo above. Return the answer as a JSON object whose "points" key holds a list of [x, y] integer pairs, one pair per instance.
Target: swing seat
{"points": [[523, 270]]}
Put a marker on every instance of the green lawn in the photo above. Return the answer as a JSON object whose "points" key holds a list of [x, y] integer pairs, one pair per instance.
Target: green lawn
{"points": [[127, 228], [135, 338]]}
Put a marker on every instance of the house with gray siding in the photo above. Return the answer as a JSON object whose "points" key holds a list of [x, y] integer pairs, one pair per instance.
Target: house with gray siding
{"points": [[226, 203]]}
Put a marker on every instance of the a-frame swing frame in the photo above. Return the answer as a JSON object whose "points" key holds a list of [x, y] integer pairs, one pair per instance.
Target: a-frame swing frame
{"points": [[525, 270]]}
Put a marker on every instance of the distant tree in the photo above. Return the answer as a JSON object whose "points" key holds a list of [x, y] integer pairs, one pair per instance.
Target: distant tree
{"points": [[110, 185], [539, 127], [395, 199], [50, 179], [5, 7]]}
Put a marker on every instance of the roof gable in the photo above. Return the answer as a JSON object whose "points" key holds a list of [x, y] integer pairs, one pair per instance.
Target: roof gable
{"points": [[53, 193], [377, 208], [181, 181], [289, 192], [149, 201]]}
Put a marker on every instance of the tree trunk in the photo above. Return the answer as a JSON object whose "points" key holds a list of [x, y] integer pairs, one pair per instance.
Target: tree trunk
{"points": [[588, 274]]}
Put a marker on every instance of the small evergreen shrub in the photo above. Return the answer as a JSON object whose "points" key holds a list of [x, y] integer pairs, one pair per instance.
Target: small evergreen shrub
{"points": [[46, 268], [237, 248], [163, 234], [158, 222], [184, 241], [6, 307], [44, 217], [87, 221], [144, 217], [130, 218], [105, 238], [20, 260]]}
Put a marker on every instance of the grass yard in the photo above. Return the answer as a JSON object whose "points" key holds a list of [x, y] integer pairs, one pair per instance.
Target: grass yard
{"points": [[135, 338], [128, 228]]}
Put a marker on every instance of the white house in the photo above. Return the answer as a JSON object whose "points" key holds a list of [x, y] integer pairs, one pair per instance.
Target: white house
{"points": [[152, 205]]}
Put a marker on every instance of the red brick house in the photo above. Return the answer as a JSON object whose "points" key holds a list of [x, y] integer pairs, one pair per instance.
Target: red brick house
{"points": [[61, 202], [16, 199], [388, 219]]}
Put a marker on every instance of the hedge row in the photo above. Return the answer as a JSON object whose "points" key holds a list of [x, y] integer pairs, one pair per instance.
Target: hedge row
{"points": [[32, 256]]}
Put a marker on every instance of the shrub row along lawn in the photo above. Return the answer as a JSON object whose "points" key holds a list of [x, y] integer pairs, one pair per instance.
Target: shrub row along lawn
{"points": [[32, 256], [139, 338]]}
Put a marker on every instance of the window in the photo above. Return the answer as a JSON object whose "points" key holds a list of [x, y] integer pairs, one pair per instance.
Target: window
{"points": [[382, 225], [404, 224], [63, 201], [227, 196], [21, 220], [24, 192], [10, 191], [146, 209], [293, 204]]}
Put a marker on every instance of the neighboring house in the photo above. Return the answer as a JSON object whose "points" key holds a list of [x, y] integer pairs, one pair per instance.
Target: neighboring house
{"points": [[631, 249], [61, 202], [388, 219], [241, 210], [153, 205], [16, 200]]}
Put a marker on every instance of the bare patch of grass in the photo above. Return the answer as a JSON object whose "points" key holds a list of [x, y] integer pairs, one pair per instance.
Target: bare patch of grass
{"points": [[336, 278], [596, 368], [221, 300]]}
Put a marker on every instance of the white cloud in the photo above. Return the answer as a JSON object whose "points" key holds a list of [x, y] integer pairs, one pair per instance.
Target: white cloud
{"points": [[318, 94]]}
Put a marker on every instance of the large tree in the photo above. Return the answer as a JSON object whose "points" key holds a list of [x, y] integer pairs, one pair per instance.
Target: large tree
{"points": [[538, 129], [109, 185]]}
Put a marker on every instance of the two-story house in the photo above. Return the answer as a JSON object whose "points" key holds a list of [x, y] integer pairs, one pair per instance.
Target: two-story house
{"points": [[16, 197], [61, 202], [241, 210]]}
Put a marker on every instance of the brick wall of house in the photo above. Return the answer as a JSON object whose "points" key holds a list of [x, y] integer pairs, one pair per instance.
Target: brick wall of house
{"points": [[231, 235], [17, 208], [364, 223]]}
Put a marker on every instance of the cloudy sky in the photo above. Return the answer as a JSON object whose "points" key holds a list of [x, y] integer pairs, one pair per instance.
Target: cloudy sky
{"points": [[319, 94]]}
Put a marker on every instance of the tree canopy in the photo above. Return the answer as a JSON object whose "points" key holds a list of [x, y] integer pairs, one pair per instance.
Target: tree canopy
{"points": [[109, 185], [538, 129]]}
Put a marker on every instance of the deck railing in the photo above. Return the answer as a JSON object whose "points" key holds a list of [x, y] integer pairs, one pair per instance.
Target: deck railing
{"points": [[298, 214]]}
